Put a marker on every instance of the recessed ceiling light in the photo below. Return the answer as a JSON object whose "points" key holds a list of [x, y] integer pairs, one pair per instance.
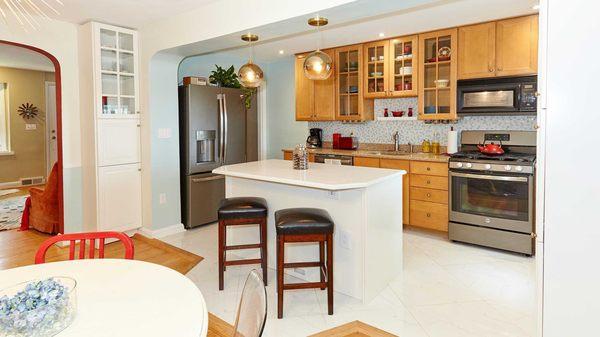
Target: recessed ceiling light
{"points": [[281, 52], [381, 34]]}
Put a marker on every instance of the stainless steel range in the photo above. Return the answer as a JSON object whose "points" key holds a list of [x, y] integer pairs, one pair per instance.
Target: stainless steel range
{"points": [[492, 197]]}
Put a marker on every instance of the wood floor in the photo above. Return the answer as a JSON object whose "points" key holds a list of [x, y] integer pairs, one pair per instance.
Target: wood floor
{"points": [[18, 249], [354, 329], [22, 191]]}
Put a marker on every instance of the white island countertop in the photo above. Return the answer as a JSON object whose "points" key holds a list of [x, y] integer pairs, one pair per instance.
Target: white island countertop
{"points": [[320, 176]]}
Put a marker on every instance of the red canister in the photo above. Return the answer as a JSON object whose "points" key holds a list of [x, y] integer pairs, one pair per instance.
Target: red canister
{"points": [[336, 140]]}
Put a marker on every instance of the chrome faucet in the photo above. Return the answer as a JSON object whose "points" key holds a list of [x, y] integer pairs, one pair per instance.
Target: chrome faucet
{"points": [[396, 141]]}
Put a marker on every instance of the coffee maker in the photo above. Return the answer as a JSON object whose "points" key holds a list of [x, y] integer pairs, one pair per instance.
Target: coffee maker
{"points": [[314, 139]]}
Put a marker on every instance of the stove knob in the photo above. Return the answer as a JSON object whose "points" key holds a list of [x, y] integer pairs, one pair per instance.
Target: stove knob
{"points": [[519, 168], [468, 165], [459, 165], [507, 167], [488, 166]]}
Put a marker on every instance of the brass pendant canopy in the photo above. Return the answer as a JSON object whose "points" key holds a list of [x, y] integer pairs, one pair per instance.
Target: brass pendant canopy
{"points": [[318, 65], [250, 75]]}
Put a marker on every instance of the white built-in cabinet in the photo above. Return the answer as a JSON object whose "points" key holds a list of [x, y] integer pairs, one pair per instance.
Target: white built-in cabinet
{"points": [[109, 77]]}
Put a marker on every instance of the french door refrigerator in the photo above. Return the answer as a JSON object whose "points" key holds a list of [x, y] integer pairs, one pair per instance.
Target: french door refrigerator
{"points": [[215, 129]]}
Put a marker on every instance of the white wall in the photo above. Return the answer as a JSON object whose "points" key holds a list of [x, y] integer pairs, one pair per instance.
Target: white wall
{"points": [[60, 40], [571, 276], [158, 87]]}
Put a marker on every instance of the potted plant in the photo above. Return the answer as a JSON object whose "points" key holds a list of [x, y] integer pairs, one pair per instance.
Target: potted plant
{"points": [[227, 78]]}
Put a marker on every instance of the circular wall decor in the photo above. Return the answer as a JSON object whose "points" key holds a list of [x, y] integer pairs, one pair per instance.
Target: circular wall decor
{"points": [[28, 111]]}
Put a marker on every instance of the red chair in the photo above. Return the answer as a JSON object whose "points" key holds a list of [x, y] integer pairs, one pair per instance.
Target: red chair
{"points": [[40, 256]]}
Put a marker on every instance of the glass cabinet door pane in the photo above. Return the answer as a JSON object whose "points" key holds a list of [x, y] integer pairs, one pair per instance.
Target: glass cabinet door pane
{"points": [[343, 84], [429, 75], [127, 105], [353, 110], [125, 41], [430, 50], [127, 85], [108, 38], [108, 60], [353, 60], [353, 83], [109, 84], [126, 63], [443, 100], [444, 51], [430, 106], [343, 61], [343, 105], [110, 105]]}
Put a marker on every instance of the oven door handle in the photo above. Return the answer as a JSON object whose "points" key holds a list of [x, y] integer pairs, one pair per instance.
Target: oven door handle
{"points": [[489, 177]]}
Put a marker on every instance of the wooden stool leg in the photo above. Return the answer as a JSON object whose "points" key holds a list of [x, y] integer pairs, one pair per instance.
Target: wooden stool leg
{"points": [[280, 259], [322, 262], [263, 248], [221, 252], [330, 274]]}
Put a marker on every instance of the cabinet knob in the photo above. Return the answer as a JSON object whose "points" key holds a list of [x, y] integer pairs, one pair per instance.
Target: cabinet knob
{"points": [[500, 68], [140, 170], [428, 182], [491, 70], [429, 215], [429, 169], [428, 195], [139, 125]]}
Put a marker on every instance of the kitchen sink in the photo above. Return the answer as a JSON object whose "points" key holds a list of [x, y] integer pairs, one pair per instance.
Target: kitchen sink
{"points": [[388, 153]]}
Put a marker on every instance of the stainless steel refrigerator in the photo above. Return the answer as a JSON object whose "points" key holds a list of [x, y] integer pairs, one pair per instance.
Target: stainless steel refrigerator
{"points": [[215, 129]]}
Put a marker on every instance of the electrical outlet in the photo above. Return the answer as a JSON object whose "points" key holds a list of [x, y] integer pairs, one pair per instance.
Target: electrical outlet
{"points": [[335, 195], [30, 127], [162, 198], [345, 240]]}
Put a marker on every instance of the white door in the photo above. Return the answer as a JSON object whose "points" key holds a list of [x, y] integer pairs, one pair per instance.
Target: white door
{"points": [[119, 198], [51, 132], [118, 141]]}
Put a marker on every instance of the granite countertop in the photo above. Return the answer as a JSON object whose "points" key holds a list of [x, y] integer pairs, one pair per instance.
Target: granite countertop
{"points": [[383, 154], [319, 176]]}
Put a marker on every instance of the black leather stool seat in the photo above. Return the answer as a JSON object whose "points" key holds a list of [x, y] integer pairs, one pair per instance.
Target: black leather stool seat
{"points": [[243, 207], [294, 221]]}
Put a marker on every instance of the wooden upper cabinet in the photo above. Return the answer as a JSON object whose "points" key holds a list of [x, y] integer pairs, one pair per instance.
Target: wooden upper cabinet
{"points": [[477, 51], [517, 46], [403, 73], [437, 75], [350, 103], [376, 61], [315, 100]]}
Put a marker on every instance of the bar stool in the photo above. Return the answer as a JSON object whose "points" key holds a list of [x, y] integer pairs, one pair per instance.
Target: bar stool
{"points": [[242, 211], [305, 225]]}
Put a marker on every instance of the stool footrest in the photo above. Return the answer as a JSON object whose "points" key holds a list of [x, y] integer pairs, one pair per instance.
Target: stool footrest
{"points": [[301, 264], [304, 285], [241, 262], [234, 247]]}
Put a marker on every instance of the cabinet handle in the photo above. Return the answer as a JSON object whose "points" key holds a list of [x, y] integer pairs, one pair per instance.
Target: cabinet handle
{"points": [[429, 169], [428, 195], [137, 112], [139, 125]]}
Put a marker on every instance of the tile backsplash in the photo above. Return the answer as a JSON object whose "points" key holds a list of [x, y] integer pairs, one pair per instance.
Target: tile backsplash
{"points": [[414, 131]]}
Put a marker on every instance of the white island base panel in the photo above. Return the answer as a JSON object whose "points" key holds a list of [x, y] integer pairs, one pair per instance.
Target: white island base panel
{"points": [[367, 252]]}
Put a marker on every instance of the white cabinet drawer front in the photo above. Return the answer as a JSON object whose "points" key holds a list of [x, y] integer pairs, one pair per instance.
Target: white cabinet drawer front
{"points": [[118, 142], [120, 197]]}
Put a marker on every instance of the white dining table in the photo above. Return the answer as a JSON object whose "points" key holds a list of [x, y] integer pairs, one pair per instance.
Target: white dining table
{"points": [[117, 297]]}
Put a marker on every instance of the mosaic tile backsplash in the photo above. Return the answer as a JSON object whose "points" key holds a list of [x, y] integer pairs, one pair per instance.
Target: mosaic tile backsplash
{"points": [[414, 131]]}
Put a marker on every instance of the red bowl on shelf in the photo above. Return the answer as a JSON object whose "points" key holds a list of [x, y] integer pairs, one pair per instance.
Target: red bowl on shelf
{"points": [[397, 113]]}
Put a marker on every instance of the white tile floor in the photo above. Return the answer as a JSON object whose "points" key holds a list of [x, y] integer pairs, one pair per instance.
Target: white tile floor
{"points": [[446, 290]]}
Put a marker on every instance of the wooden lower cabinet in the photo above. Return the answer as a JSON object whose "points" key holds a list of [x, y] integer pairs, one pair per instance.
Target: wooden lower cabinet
{"points": [[401, 165], [366, 161], [288, 155], [429, 195], [429, 215], [438, 183]]}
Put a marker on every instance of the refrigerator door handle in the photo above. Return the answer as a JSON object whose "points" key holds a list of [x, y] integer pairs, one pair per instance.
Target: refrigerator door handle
{"points": [[221, 132], [224, 99]]}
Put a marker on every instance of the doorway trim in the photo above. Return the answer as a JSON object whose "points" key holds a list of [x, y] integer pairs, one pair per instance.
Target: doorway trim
{"points": [[57, 80]]}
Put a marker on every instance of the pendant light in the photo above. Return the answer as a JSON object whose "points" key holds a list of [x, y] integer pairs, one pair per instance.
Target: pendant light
{"points": [[318, 65], [250, 74]]}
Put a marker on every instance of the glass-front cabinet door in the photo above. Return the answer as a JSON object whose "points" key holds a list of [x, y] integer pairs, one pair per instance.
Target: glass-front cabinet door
{"points": [[376, 55], [118, 73], [349, 92], [437, 68], [403, 53]]}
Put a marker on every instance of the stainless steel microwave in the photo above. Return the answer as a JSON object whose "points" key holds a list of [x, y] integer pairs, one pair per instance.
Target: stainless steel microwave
{"points": [[497, 96]]}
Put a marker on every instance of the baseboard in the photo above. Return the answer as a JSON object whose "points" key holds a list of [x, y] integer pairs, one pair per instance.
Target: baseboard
{"points": [[160, 233], [10, 184]]}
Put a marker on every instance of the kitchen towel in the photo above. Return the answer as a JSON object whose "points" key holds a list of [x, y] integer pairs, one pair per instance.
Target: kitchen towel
{"points": [[452, 142]]}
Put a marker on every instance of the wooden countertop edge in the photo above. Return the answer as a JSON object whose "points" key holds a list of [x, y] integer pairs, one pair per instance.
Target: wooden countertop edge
{"points": [[365, 153]]}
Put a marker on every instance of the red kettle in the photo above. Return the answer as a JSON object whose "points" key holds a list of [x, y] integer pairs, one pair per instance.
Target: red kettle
{"points": [[491, 149]]}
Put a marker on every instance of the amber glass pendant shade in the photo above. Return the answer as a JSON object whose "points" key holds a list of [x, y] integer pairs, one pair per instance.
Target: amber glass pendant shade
{"points": [[250, 75], [318, 66]]}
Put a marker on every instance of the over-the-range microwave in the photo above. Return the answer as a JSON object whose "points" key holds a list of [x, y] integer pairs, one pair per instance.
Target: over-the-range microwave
{"points": [[497, 96]]}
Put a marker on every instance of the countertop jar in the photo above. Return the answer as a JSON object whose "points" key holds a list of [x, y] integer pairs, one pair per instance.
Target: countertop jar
{"points": [[300, 157]]}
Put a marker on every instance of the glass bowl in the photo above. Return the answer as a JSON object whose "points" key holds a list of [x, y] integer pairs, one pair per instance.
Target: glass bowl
{"points": [[21, 314]]}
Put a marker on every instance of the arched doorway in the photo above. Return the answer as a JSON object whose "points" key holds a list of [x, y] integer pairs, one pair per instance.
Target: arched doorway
{"points": [[58, 99]]}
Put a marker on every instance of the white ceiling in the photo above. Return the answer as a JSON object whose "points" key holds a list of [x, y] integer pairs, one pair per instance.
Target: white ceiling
{"points": [[22, 58], [354, 23], [126, 13]]}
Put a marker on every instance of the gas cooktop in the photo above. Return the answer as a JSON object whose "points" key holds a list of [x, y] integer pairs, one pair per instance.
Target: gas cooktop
{"points": [[509, 156]]}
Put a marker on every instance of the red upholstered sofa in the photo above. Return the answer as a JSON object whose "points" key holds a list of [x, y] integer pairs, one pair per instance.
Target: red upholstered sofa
{"points": [[43, 205]]}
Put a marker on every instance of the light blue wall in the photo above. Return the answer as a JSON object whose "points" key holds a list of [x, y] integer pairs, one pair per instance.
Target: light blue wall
{"points": [[282, 129], [72, 199]]}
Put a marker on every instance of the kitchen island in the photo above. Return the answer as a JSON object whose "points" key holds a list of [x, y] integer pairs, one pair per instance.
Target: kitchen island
{"points": [[365, 204]]}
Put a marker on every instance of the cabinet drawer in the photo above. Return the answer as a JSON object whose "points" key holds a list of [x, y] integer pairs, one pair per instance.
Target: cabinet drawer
{"points": [[429, 215], [429, 168], [426, 194], [366, 161], [438, 183], [287, 155], [395, 164]]}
